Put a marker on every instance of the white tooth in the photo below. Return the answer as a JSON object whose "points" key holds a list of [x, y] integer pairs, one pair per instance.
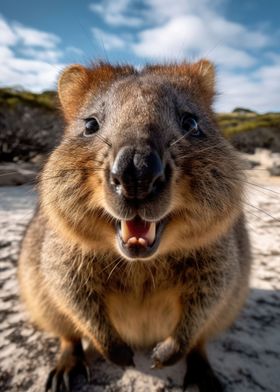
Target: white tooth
{"points": [[125, 231], [151, 234], [132, 241], [126, 234], [143, 242]]}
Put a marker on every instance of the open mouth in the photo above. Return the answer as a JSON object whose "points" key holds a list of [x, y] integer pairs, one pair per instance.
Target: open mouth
{"points": [[138, 238]]}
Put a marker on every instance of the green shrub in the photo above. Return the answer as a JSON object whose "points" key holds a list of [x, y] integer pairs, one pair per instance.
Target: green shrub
{"points": [[11, 98], [235, 123]]}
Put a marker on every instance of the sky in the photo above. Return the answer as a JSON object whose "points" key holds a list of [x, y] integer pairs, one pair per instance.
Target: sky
{"points": [[39, 38]]}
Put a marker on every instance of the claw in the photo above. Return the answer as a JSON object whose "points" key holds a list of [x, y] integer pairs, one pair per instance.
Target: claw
{"points": [[57, 382], [49, 380], [55, 387], [66, 381], [88, 372], [156, 365], [166, 353], [72, 360], [201, 374]]}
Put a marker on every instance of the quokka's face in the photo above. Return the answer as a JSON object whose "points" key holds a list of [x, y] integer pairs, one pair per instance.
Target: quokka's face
{"points": [[142, 168]]}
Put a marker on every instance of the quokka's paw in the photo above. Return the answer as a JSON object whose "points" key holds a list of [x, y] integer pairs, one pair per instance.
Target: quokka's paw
{"points": [[120, 354], [200, 373], [71, 362], [166, 353]]}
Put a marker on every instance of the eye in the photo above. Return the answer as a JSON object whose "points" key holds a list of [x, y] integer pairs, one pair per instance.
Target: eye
{"points": [[190, 124], [91, 126]]}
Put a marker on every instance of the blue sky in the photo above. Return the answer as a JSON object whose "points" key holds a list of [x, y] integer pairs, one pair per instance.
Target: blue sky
{"points": [[38, 38]]}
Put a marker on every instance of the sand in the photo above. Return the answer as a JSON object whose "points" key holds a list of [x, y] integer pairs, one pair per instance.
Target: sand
{"points": [[247, 357]]}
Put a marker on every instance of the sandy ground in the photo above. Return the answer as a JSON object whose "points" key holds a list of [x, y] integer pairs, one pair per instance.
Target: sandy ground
{"points": [[247, 358]]}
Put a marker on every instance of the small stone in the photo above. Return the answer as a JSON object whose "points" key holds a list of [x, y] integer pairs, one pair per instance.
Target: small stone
{"points": [[274, 170]]}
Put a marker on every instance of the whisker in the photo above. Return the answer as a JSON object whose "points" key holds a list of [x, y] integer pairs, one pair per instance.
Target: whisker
{"points": [[53, 201], [71, 138], [247, 211], [40, 179], [109, 265], [69, 168], [261, 187], [113, 269], [193, 153], [254, 169], [181, 137], [106, 141], [251, 228], [152, 276], [253, 184], [264, 212], [8, 173]]}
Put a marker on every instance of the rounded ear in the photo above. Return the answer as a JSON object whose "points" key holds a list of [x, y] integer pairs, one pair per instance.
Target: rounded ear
{"points": [[76, 82], [198, 77], [205, 70], [72, 87]]}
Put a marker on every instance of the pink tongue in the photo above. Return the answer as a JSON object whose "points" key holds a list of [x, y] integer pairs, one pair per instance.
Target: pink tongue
{"points": [[137, 227], [138, 232]]}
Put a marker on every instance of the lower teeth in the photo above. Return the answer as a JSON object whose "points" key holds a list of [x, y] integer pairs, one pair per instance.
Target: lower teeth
{"points": [[128, 237], [137, 241]]}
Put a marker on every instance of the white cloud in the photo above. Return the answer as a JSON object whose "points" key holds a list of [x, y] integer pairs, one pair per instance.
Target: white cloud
{"points": [[170, 8], [229, 57], [5, 52], [199, 33], [31, 74], [116, 13], [7, 35], [36, 75], [168, 30], [189, 36], [48, 55], [232, 33], [181, 29], [28, 57], [110, 41], [171, 40], [159, 30], [33, 37], [258, 90], [135, 14]]}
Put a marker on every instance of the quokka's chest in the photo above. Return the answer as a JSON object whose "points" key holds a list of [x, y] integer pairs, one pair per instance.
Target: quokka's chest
{"points": [[143, 322]]}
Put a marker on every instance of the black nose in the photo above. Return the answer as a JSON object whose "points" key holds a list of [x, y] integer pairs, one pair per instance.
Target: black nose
{"points": [[137, 173]]}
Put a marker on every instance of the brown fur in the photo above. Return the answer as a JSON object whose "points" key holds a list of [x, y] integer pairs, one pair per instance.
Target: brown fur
{"points": [[73, 278], [131, 316]]}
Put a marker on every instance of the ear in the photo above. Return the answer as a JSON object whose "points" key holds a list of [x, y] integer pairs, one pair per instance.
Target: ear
{"points": [[205, 72], [72, 87], [76, 82], [198, 78]]}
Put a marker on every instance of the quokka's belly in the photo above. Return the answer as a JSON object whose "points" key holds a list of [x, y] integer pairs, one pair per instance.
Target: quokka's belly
{"points": [[144, 322]]}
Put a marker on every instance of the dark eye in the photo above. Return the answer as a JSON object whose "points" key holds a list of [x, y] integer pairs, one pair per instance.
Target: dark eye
{"points": [[91, 126], [190, 124]]}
